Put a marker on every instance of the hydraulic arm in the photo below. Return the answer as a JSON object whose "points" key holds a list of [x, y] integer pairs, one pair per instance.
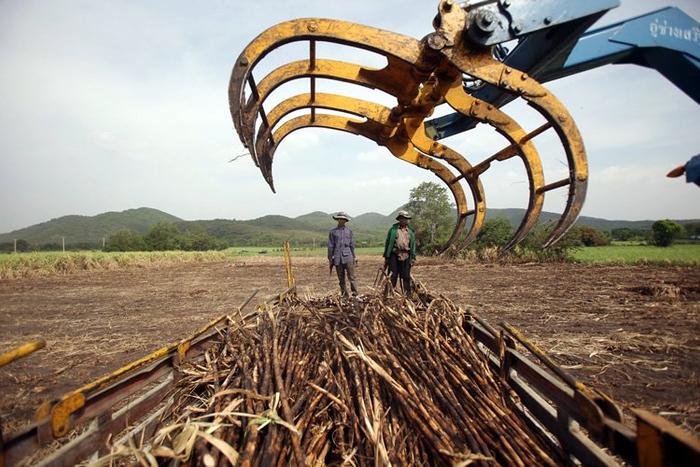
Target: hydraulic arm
{"points": [[667, 40]]}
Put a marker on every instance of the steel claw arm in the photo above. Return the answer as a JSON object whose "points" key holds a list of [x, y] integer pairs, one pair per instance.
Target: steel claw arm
{"points": [[483, 67], [381, 115], [377, 40], [395, 79], [401, 150], [520, 145]]}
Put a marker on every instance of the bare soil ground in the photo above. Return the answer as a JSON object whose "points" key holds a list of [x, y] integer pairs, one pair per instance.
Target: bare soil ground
{"points": [[631, 331]]}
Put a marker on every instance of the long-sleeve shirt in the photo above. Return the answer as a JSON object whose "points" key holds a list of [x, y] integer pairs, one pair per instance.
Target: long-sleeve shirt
{"points": [[341, 246], [402, 246]]}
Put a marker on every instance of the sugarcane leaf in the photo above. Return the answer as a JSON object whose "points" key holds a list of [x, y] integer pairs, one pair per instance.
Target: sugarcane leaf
{"points": [[223, 447]]}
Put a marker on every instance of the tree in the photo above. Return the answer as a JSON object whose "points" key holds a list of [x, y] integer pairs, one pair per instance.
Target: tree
{"points": [[625, 234], [163, 236], [125, 240], [200, 242], [9, 247], [693, 230], [592, 237], [663, 232], [495, 232], [431, 210]]}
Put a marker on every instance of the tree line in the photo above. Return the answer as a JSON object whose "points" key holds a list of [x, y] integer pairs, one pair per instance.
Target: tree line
{"points": [[163, 236], [160, 237], [433, 219]]}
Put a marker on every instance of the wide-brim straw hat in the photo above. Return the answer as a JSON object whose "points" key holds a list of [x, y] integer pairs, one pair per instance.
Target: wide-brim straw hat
{"points": [[403, 214], [341, 215]]}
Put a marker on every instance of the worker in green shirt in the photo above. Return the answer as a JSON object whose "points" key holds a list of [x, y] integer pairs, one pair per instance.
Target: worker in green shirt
{"points": [[400, 251]]}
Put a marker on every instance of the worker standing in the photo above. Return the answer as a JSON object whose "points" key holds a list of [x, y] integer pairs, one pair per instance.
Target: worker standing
{"points": [[341, 253], [400, 251]]}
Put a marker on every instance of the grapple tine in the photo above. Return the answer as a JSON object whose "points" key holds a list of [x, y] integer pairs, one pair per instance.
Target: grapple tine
{"points": [[401, 47], [408, 153], [391, 79], [385, 79], [381, 115], [364, 109], [522, 146], [403, 150], [421, 141]]}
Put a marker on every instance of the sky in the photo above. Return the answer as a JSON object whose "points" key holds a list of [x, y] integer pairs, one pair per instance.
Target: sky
{"points": [[108, 106]]}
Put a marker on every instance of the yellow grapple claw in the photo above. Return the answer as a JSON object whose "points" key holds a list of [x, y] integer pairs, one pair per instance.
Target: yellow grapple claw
{"points": [[421, 75]]}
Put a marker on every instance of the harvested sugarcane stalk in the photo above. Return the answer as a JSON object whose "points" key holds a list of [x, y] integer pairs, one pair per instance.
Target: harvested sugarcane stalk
{"points": [[368, 381]]}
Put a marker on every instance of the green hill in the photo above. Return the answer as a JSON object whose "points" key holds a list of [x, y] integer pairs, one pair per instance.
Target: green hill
{"points": [[308, 229], [89, 229], [312, 228], [516, 215]]}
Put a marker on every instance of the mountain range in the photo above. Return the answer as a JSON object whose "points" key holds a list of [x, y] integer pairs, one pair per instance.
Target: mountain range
{"points": [[369, 228]]}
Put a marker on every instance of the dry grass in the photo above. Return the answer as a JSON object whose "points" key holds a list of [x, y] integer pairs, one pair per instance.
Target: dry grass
{"points": [[40, 264]]}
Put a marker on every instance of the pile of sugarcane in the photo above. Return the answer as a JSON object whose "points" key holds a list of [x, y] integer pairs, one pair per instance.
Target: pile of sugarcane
{"points": [[365, 381]]}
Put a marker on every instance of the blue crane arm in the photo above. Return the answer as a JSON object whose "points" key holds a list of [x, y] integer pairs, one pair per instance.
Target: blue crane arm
{"points": [[667, 40]]}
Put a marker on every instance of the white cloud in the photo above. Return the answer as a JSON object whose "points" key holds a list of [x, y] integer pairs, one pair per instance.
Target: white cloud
{"points": [[378, 154], [101, 117], [386, 182], [641, 192]]}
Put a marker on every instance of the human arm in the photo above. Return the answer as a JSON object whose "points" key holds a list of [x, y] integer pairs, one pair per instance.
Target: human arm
{"points": [[331, 245], [387, 247], [352, 246], [412, 245]]}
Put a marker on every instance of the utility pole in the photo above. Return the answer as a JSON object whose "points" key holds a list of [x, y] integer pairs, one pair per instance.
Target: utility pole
{"points": [[103, 243], [63, 244], [15, 245]]}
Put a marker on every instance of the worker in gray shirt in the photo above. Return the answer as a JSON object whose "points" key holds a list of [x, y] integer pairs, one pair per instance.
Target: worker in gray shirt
{"points": [[341, 253]]}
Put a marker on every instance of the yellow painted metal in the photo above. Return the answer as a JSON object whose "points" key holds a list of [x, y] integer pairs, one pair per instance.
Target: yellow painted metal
{"points": [[421, 75], [506, 126], [480, 65], [403, 150], [391, 79], [400, 47], [21, 351], [62, 410]]}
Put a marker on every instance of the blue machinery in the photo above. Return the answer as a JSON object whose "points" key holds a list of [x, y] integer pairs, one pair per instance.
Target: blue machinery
{"points": [[555, 41]]}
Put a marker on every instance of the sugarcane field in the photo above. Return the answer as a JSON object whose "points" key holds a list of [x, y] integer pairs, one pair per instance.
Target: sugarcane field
{"points": [[390, 233], [367, 411]]}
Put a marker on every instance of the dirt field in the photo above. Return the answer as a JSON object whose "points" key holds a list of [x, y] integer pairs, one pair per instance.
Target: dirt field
{"points": [[603, 323]]}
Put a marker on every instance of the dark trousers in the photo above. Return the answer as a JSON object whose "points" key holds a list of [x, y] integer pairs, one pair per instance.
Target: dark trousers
{"points": [[342, 270], [400, 269]]}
